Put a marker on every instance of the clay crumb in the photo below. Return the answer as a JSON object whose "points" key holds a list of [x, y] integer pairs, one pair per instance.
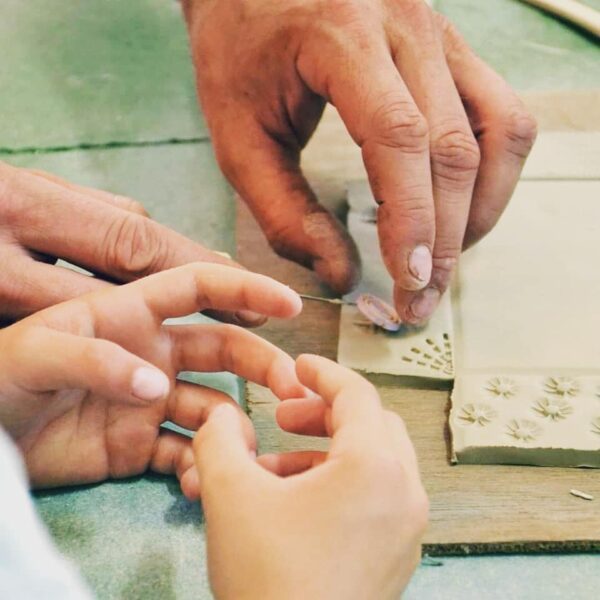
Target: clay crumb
{"points": [[580, 494], [428, 561]]}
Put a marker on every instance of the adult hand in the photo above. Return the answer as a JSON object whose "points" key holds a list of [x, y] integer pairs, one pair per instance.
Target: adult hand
{"points": [[443, 137], [85, 385], [344, 524], [43, 218]]}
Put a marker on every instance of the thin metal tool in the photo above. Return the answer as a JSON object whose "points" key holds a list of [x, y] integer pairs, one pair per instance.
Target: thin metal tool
{"points": [[378, 312], [339, 301]]}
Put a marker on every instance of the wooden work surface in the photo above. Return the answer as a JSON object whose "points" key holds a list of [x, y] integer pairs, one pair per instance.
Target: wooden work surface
{"points": [[474, 509]]}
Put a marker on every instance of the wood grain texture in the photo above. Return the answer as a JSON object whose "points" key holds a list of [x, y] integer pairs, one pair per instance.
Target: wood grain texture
{"points": [[474, 509]]}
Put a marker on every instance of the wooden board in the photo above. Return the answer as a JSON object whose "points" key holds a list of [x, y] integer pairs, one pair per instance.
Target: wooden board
{"points": [[474, 509]]}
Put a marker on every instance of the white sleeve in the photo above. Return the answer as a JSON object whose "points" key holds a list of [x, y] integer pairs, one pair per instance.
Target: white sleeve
{"points": [[30, 565]]}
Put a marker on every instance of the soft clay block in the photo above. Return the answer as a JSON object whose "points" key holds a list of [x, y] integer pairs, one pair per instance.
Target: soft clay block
{"points": [[549, 420]]}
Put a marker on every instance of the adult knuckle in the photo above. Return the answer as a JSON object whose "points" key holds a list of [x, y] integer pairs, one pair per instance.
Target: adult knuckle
{"points": [[135, 247], [416, 9], [445, 262], [455, 155], [520, 130], [414, 211], [418, 15], [283, 239], [347, 13], [341, 8], [446, 259], [278, 236], [443, 24], [454, 43], [398, 123]]}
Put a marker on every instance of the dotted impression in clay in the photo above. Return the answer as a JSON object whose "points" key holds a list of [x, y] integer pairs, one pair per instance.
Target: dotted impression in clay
{"points": [[433, 355], [550, 420]]}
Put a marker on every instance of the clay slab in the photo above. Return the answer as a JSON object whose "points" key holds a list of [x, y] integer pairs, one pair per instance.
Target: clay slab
{"points": [[564, 155], [428, 352], [555, 155], [527, 348], [524, 419], [423, 352]]}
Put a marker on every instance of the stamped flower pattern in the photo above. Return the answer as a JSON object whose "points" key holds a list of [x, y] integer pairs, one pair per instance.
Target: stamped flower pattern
{"points": [[523, 430], [477, 414], [561, 386], [522, 415], [502, 387], [555, 409]]}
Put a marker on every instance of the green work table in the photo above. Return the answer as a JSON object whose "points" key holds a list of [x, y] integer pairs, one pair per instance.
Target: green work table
{"points": [[102, 92]]}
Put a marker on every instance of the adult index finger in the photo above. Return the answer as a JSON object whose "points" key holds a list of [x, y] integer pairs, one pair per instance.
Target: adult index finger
{"points": [[363, 83]]}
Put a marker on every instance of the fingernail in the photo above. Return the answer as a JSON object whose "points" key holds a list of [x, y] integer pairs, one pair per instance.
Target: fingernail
{"points": [[420, 263], [250, 317], [149, 384], [424, 305], [223, 411]]}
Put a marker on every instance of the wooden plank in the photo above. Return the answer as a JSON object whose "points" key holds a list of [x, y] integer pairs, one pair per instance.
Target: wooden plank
{"points": [[473, 508]]}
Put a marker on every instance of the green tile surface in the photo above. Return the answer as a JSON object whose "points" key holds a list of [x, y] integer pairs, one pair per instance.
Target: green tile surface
{"points": [[568, 577], [531, 49], [101, 71], [135, 539], [141, 540], [94, 71]]}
